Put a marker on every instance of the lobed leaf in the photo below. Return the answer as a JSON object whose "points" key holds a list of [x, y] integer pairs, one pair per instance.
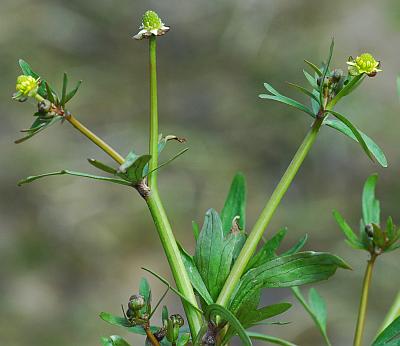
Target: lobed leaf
{"points": [[311, 80], [305, 91], [314, 67]]}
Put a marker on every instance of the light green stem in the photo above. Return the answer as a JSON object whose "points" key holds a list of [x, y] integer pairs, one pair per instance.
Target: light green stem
{"points": [[266, 215], [392, 314], [362, 312], [153, 144], [157, 209]]}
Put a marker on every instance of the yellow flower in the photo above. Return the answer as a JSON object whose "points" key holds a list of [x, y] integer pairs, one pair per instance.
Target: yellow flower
{"points": [[365, 63], [151, 25], [27, 85]]}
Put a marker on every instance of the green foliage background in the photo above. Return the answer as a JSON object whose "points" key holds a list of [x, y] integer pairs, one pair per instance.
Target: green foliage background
{"points": [[71, 248]]}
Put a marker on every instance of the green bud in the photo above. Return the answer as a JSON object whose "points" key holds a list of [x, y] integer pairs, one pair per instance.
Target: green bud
{"points": [[174, 323], [136, 302]]}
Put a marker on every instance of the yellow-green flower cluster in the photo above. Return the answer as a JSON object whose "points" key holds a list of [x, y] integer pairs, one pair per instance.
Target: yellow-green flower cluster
{"points": [[151, 25], [365, 63], [27, 85]]}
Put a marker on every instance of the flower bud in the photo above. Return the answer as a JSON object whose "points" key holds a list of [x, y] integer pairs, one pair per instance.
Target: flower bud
{"points": [[27, 85], [173, 324], [365, 63], [136, 302], [151, 25]]}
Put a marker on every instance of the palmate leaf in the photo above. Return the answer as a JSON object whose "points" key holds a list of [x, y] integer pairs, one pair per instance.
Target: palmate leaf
{"points": [[316, 308], [235, 204], [287, 271], [269, 339], [390, 336], [114, 340], [78, 174], [276, 96], [214, 253], [370, 205], [215, 309], [372, 146]]}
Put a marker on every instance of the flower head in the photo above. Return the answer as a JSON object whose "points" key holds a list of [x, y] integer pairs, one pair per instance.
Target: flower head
{"points": [[365, 63], [151, 25], [27, 86]]}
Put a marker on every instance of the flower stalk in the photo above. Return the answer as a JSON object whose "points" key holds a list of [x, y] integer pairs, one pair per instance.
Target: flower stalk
{"points": [[362, 312], [266, 215]]}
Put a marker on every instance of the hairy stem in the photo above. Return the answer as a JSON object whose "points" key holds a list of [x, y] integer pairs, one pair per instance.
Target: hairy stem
{"points": [[255, 235], [157, 209], [362, 311], [392, 314]]}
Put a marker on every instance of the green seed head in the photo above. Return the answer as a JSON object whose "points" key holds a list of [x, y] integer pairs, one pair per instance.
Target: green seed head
{"points": [[151, 21], [27, 85]]}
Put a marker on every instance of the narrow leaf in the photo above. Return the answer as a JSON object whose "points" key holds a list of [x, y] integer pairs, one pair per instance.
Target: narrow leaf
{"points": [[72, 93], [289, 102], [196, 230], [78, 174], [314, 67], [270, 339], [370, 205], [354, 130], [351, 85], [297, 247], [64, 89], [347, 231], [102, 166], [390, 335], [195, 277], [166, 162], [165, 282], [325, 72], [123, 322], [372, 146], [311, 80], [304, 90], [114, 340], [235, 204]]}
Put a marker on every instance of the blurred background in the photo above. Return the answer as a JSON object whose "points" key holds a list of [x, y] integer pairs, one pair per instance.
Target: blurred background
{"points": [[71, 248]]}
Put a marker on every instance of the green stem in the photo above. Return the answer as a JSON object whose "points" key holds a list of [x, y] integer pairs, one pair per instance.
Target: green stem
{"points": [[362, 312], [153, 144], [255, 235], [157, 209], [392, 314]]}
